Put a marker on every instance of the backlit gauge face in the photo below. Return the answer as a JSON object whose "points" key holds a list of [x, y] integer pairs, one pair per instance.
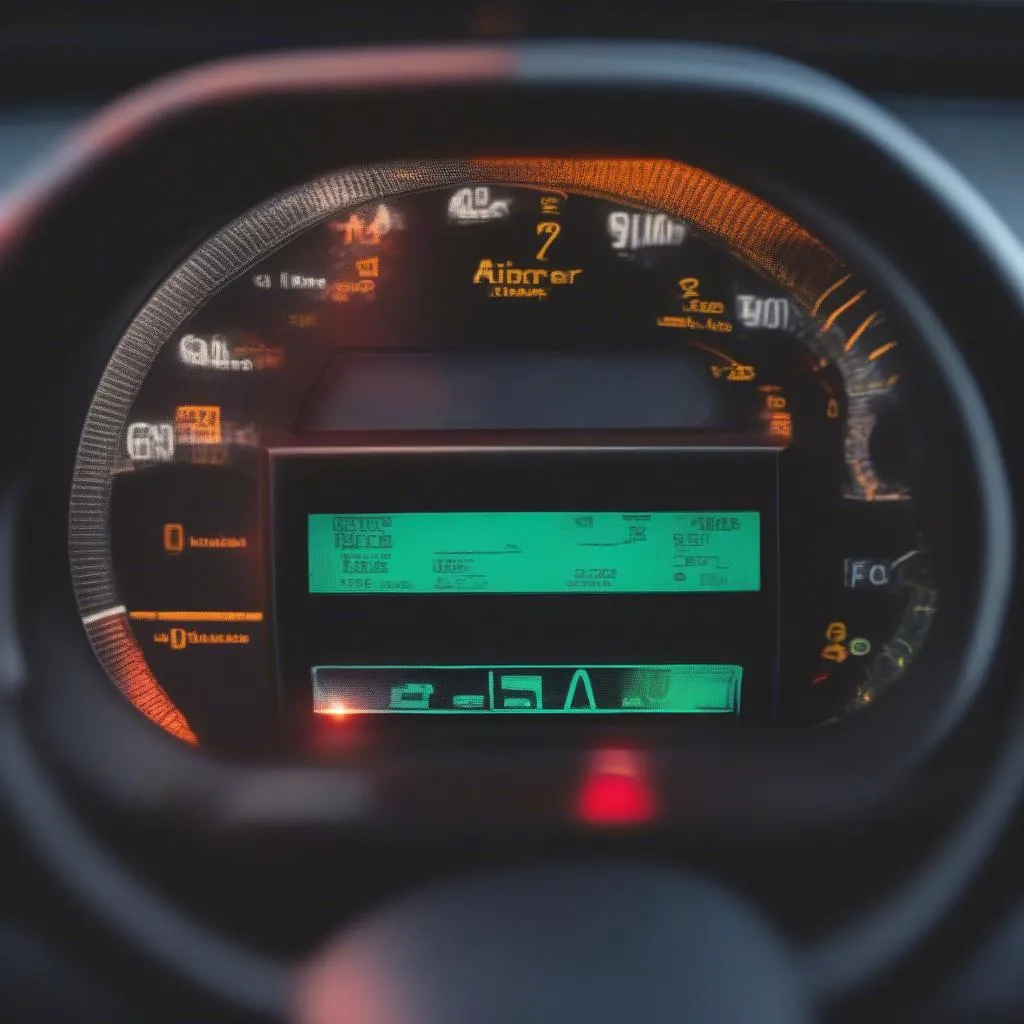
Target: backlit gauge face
{"points": [[485, 437]]}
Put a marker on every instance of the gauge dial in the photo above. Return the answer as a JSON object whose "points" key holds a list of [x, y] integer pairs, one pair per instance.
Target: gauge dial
{"points": [[582, 338]]}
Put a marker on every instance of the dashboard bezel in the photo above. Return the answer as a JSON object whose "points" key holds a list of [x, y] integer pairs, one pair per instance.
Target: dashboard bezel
{"points": [[220, 118], [897, 733]]}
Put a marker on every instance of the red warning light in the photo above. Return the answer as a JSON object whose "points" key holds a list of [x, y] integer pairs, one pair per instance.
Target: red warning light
{"points": [[334, 730], [335, 712], [616, 790]]}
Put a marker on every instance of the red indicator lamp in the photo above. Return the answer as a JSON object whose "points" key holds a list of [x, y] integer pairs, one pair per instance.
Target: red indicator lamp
{"points": [[616, 790], [336, 713], [333, 729]]}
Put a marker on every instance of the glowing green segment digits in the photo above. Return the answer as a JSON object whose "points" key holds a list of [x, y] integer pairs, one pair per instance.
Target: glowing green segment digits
{"points": [[534, 552], [526, 689]]}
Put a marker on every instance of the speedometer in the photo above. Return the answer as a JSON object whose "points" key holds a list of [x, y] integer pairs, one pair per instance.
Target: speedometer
{"points": [[488, 439]]}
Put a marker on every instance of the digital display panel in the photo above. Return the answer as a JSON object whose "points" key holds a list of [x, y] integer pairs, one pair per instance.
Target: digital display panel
{"points": [[526, 689], [428, 654], [559, 552]]}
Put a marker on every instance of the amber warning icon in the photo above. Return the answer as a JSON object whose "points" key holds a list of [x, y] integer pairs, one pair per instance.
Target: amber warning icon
{"points": [[174, 538]]}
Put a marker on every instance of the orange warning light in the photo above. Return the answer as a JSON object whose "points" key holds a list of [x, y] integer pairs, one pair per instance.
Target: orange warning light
{"points": [[780, 424], [174, 538], [197, 424]]}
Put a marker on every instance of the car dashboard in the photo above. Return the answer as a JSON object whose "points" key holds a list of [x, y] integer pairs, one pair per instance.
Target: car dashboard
{"points": [[474, 479]]}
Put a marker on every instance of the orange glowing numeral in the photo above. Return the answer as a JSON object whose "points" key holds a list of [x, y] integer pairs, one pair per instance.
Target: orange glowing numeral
{"points": [[690, 287], [174, 538], [550, 228]]}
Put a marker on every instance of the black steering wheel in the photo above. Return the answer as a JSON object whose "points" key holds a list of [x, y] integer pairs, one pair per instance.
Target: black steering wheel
{"points": [[583, 929]]}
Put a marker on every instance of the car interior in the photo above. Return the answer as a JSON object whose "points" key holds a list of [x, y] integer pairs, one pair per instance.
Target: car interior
{"points": [[511, 512]]}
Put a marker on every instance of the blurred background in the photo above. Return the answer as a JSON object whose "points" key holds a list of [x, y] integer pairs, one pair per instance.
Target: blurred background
{"points": [[60, 60]]}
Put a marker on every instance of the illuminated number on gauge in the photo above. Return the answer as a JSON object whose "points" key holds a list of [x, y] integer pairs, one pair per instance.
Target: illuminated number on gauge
{"points": [[763, 313], [689, 287], [472, 205], [632, 231], [550, 228], [194, 351], [214, 354], [174, 538], [359, 229], [150, 442]]}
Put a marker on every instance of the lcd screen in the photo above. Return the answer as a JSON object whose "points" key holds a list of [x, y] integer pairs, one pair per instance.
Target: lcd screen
{"points": [[527, 689], [535, 552]]}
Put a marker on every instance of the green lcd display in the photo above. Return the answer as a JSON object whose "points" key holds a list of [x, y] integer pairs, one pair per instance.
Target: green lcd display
{"points": [[534, 552], [526, 689]]}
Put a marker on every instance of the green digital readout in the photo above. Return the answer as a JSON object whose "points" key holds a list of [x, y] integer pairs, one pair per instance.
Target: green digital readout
{"points": [[534, 552], [526, 689]]}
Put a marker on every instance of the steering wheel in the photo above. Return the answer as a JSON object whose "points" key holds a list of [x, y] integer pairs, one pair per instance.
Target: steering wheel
{"points": [[587, 924]]}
